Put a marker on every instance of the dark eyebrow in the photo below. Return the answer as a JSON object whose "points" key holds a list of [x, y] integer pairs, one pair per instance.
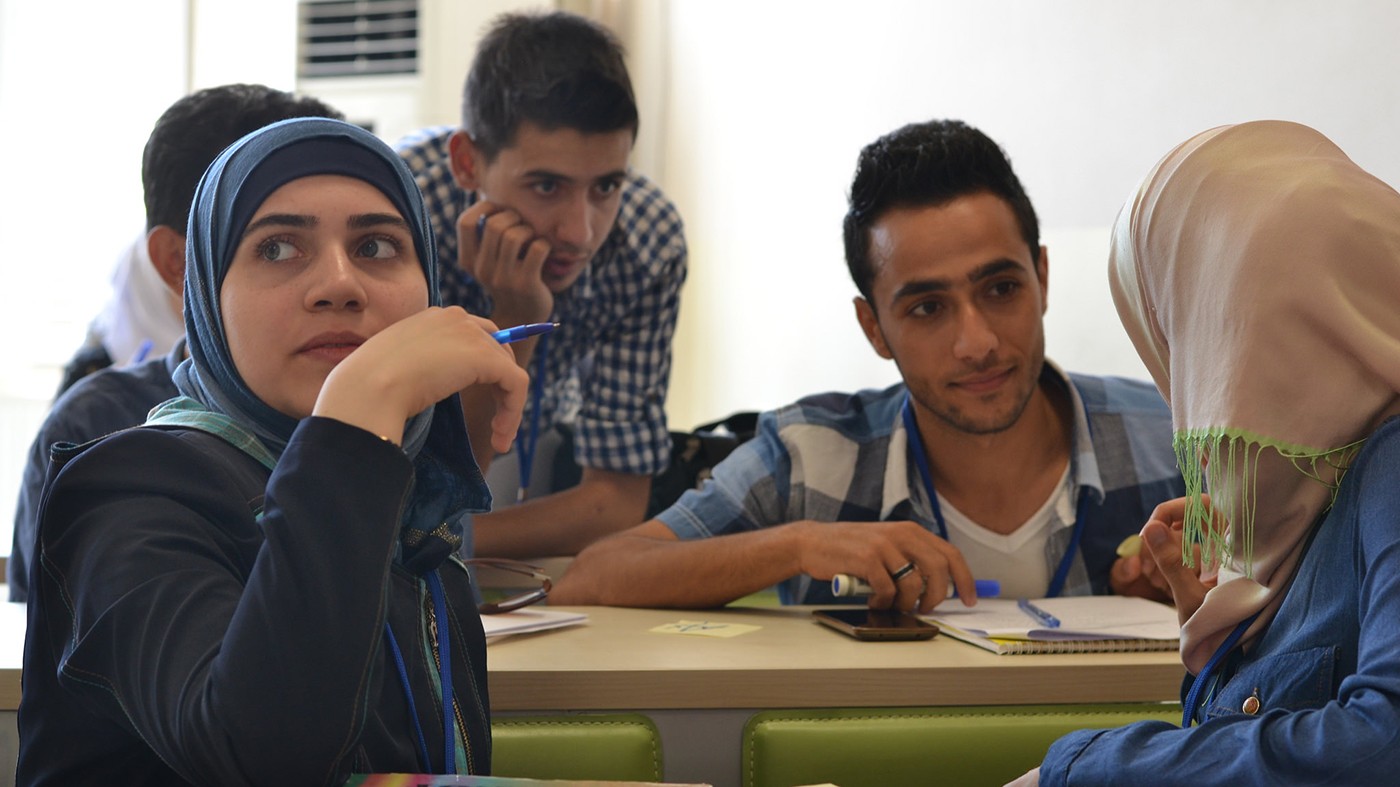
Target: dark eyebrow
{"points": [[993, 268], [980, 273], [366, 220], [920, 287], [358, 222], [544, 174], [280, 220]]}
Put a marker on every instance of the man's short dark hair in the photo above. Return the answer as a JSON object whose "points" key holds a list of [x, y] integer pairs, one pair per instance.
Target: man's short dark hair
{"points": [[555, 70], [195, 130], [923, 165]]}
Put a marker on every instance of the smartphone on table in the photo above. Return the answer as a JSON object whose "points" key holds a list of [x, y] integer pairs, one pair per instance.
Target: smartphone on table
{"points": [[876, 624]]}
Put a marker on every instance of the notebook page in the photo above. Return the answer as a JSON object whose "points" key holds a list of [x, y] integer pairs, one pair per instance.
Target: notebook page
{"points": [[1081, 617]]}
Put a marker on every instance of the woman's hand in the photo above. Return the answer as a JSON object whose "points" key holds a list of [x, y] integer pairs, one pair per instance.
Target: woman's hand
{"points": [[1135, 574], [419, 361], [1162, 545]]}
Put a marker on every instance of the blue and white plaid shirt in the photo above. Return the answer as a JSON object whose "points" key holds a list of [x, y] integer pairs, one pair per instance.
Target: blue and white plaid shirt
{"points": [[609, 363], [844, 458]]}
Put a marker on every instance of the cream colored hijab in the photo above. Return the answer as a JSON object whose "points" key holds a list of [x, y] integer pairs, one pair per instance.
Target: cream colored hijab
{"points": [[1257, 271]]}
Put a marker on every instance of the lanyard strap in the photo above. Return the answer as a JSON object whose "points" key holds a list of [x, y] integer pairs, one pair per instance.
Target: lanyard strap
{"points": [[1193, 698], [444, 647], [916, 449], [444, 652], [408, 694], [525, 448]]}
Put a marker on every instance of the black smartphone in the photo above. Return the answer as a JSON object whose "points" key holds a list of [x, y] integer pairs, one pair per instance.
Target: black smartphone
{"points": [[876, 624]]}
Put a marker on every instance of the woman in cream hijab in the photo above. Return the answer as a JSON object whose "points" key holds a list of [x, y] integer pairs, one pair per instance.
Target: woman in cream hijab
{"points": [[1257, 271]]}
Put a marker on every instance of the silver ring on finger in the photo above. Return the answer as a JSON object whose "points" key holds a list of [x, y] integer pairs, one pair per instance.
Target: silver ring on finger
{"points": [[902, 572]]}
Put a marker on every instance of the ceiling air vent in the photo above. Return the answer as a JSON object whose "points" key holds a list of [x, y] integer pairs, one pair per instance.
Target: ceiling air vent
{"points": [[346, 38]]}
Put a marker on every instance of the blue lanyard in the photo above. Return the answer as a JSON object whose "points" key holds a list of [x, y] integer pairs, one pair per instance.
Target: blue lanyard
{"points": [[525, 448], [444, 649], [1198, 685], [408, 694], [916, 449]]}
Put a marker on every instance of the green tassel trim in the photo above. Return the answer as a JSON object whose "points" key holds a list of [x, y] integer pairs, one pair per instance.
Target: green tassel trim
{"points": [[1232, 463]]}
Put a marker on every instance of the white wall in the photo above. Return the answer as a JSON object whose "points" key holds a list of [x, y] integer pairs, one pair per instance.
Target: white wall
{"points": [[77, 103], [772, 100], [253, 41], [81, 84]]}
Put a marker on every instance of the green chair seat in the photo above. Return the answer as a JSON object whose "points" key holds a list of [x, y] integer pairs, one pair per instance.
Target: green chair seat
{"points": [[889, 747], [605, 747]]}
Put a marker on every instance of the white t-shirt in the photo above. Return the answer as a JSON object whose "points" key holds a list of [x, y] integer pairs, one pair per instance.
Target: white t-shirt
{"points": [[1018, 559], [140, 309]]}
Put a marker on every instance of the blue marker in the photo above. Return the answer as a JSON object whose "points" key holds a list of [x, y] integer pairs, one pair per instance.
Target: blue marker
{"points": [[508, 335], [847, 585], [1041, 616]]}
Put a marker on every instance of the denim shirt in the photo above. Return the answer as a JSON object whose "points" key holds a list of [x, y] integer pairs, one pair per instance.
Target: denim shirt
{"points": [[1326, 673]]}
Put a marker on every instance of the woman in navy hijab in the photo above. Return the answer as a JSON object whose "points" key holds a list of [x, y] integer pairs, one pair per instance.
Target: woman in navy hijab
{"points": [[257, 586]]}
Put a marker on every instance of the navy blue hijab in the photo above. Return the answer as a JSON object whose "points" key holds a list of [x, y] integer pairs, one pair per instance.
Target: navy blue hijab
{"points": [[229, 194], [231, 191]]}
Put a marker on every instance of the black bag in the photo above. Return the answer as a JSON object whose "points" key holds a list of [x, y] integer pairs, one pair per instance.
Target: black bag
{"points": [[694, 454]]}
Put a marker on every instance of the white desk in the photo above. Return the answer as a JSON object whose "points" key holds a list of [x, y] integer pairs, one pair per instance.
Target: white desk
{"points": [[701, 690], [616, 662]]}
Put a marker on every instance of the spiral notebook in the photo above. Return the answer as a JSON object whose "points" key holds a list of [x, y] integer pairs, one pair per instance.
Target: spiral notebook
{"points": [[1088, 624]]}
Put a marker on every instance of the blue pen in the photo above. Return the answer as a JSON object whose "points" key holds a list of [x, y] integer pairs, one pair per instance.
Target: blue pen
{"points": [[1041, 616], [847, 585], [142, 352], [508, 335]]}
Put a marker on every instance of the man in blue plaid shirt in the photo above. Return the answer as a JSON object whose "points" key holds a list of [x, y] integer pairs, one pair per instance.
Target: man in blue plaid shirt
{"points": [[538, 218], [987, 461]]}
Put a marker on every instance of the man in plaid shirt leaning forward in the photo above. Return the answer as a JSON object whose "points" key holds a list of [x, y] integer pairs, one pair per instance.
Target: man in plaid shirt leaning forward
{"points": [[538, 219]]}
